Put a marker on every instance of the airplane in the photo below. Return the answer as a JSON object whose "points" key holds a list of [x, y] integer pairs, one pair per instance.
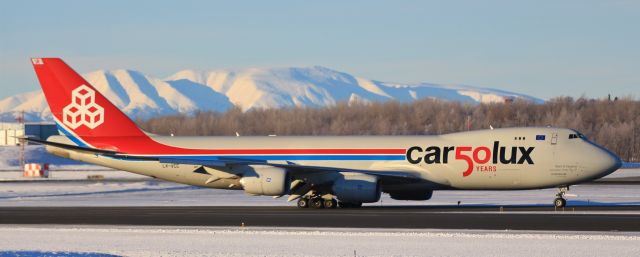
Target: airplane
{"points": [[317, 171]]}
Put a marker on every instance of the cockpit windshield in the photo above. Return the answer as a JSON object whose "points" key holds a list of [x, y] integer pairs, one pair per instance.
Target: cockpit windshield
{"points": [[577, 135]]}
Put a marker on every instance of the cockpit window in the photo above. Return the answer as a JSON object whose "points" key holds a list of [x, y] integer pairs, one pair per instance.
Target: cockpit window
{"points": [[578, 135]]}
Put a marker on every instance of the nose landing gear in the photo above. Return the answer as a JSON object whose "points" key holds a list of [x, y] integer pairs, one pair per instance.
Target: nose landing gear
{"points": [[560, 202]]}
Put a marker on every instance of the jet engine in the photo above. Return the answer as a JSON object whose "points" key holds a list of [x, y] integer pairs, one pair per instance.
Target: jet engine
{"points": [[265, 180], [357, 188]]}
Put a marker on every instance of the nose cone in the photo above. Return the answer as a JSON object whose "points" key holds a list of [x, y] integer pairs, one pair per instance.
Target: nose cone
{"points": [[608, 162]]}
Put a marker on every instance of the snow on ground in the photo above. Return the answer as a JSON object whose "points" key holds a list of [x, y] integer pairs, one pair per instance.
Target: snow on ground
{"points": [[625, 173], [10, 157], [208, 241], [79, 175], [160, 193]]}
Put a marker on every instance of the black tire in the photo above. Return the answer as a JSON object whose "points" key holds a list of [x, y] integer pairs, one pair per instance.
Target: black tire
{"points": [[330, 204], [316, 203], [303, 203], [559, 202]]}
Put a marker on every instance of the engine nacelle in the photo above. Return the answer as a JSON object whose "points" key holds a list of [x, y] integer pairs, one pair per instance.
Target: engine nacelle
{"points": [[357, 188], [265, 180], [412, 195]]}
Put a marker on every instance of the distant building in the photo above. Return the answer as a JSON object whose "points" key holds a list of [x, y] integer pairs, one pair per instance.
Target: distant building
{"points": [[9, 131]]}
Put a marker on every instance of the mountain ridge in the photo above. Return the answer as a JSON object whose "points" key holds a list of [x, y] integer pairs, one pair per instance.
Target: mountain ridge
{"points": [[188, 91]]}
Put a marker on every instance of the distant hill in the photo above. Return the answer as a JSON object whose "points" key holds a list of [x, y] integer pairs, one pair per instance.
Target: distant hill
{"points": [[142, 96]]}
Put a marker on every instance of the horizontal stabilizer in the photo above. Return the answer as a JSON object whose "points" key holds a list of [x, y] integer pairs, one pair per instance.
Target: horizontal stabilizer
{"points": [[69, 147]]}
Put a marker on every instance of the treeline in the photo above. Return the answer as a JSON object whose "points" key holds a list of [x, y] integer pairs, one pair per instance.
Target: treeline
{"points": [[613, 124]]}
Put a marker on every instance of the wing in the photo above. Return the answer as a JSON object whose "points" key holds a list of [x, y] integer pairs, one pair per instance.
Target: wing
{"points": [[290, 166]]}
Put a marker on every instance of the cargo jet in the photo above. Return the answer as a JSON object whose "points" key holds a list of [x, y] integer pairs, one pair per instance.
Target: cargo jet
{"points": [[317, 171]]}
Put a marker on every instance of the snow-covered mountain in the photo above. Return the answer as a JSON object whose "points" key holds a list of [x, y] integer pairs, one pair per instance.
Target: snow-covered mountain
{"points": [[142, 96]]}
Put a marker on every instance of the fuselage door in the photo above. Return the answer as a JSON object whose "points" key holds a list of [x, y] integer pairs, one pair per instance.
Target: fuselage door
{"points": [[554, 138]]}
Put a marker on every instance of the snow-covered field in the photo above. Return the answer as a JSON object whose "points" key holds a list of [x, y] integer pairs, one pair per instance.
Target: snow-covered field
{"points": [[10, 156], [159, 193], [79, 175], [172, 241]]}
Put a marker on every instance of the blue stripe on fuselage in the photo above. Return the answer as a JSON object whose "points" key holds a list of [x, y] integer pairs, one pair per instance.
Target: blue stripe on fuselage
{"points": [[71, 136], [291, 157]]}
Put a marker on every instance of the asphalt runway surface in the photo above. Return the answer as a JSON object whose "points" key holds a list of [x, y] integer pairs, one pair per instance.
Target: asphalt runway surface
{"points": [[584, 218]]}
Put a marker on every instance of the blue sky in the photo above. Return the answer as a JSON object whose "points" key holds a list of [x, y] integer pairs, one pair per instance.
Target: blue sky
{"points": [[540, 48]]}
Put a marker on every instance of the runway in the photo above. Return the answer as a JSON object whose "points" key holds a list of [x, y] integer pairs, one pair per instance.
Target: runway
{"points": [[585, 218]]}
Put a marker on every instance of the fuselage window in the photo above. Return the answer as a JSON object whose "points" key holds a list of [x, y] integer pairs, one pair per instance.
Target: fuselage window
{"points": [[573, 136]]}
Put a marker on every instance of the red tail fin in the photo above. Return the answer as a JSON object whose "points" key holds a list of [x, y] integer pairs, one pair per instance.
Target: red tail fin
{"points": [[77, 106]]}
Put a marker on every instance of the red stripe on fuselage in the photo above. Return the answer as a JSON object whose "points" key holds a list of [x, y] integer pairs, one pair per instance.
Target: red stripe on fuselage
{"points": [[305, 151], [148, 146]]}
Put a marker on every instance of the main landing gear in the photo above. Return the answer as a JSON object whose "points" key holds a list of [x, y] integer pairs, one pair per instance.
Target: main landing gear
{"points": [[318, 202], [560, 202]]}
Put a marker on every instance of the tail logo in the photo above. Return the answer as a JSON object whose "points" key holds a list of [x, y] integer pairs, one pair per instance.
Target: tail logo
{"points": [[83, 109]]}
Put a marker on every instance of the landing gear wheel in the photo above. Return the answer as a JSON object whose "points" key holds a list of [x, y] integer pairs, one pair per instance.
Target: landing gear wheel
{"points": [[560, 202], [316, 203], [303, 203], [330, 204]]}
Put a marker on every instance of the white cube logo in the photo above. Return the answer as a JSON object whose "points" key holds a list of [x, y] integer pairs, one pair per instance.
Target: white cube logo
{"points": [[83, 109]]}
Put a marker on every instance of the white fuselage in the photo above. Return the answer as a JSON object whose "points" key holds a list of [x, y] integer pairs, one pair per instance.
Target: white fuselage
{"points": [[544, 157]]}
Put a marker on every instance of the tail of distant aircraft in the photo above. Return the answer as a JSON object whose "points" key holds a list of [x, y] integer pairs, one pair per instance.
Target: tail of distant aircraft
{"points": [[78, 108]]}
